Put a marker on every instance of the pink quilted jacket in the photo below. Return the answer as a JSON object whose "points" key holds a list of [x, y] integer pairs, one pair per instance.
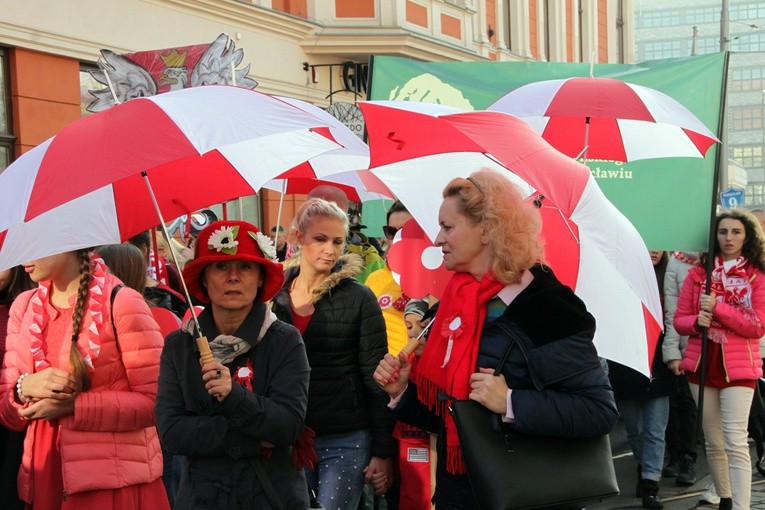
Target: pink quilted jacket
{"points": [[741, 352], [111, 441]]}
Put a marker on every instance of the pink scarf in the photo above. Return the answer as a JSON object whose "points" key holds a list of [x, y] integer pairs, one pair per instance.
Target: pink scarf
{"points": [[93, 311]]}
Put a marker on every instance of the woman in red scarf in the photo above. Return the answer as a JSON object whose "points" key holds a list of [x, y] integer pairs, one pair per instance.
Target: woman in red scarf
{"points": [[500, 294], [734, 313]]}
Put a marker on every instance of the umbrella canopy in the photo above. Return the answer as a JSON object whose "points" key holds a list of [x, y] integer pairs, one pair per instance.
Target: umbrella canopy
{"points": [[416, 264], [605, 118], [354, 187], [591, 246], [89, 185]]}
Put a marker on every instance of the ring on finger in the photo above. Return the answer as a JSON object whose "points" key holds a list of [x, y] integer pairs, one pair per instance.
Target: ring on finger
{"points": [[218, 374]]}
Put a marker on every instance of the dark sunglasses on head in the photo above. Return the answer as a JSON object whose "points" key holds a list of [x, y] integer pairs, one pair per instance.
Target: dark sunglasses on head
{"points": [[389, 232]]}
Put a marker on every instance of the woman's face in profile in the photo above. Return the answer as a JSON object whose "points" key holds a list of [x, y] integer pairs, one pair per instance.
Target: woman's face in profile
{"points": [[462, 242], [62, 266], [5, 279]]}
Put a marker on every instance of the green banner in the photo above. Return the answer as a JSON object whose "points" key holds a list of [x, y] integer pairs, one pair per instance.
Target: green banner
{"points": [[668, 200]]}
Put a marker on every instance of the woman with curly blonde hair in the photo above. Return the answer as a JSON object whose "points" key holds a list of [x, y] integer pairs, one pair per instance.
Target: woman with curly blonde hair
{"points": [[500, 297], [733, 312]]}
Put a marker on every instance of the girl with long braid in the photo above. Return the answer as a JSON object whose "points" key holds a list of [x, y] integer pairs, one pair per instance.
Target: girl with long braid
{"points": [[80, 376]]}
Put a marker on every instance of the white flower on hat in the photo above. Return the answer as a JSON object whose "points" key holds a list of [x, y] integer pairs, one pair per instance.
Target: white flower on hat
{"points": [[265, 244], [224, 240]]}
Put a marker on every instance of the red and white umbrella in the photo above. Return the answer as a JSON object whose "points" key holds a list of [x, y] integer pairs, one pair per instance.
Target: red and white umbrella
{"points": [[87, 185], [605, 118], [351, 183], [416, 263], [590, 245]]}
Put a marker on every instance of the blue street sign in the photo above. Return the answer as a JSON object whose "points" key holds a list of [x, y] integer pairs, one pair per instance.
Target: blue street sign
{"points": [[732, 198]]}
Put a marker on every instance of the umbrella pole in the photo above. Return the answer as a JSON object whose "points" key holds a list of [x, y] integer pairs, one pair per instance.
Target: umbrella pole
{"points": [[204, 347], [156, 252], [586, 140], [721, 159], [279, 212]]}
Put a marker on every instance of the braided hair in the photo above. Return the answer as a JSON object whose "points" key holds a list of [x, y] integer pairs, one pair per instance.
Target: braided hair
{"points": [[76, 360]]}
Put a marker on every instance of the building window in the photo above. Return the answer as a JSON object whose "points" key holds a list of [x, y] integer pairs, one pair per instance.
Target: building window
{"points": [[703, 15], [657, 19], [755, 195], [746, 117], [747, 79], [748, 156], [707, 45], [87, 83], [751, 10], [661, 49], [751, 42], [6, 129]]}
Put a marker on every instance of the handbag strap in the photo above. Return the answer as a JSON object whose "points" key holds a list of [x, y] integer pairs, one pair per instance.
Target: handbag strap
{"points": [[265, 483], [503, 358], [113, 296]]}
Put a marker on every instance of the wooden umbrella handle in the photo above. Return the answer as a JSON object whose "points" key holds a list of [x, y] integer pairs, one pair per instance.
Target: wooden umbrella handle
{"points": [[410, 346], [204, 350], [408, 349]]}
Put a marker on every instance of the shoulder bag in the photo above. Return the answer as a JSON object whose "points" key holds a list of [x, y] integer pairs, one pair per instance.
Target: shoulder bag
{"points": [[513, 471]]}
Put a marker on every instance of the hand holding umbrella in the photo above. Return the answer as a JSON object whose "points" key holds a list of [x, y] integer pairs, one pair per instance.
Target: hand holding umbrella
{"points": [[392, 373]]}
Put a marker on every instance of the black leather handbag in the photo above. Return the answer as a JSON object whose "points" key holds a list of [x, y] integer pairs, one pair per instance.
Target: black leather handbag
{"points": [[513, 471]]}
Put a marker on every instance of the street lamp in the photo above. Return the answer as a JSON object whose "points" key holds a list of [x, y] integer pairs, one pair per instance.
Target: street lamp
{"points": [[762, 126]]}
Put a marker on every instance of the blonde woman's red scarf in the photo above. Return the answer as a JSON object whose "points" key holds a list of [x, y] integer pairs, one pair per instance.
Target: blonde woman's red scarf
{"points": [[451, 353], [89, 344]]}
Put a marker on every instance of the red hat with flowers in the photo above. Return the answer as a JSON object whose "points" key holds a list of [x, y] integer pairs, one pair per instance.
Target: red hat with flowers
{"points": [[234, 240]]}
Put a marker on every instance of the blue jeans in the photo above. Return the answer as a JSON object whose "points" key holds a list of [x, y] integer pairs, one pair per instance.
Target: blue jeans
{"points": [[646, 421], [338, 478]]}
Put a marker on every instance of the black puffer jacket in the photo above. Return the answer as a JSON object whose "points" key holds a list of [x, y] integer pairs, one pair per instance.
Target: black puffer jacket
{"points": [[345, 340]]}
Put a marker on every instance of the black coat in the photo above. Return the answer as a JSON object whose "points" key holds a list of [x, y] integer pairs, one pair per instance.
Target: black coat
{"points": [[629, 384], [345, 340], [559, 386], [222, 439]]}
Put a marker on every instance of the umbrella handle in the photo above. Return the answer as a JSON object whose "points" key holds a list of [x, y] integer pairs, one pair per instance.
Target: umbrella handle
{"points": [[410, 346], [408, 349], [204, 350]]}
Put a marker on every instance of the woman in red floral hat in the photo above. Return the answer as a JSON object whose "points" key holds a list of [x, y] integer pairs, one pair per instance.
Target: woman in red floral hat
{"points": [[500, 295], [236, 418]]}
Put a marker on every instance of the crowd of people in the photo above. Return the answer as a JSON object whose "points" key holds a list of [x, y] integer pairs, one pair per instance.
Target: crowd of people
{"points": [[290, 384]]}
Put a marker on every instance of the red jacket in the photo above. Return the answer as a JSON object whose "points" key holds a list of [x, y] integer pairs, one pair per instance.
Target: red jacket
{"points": [[111, 441], [741, 353]]}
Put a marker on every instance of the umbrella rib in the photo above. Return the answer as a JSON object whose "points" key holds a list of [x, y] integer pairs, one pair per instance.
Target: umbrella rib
{"points": [[170, 245], [564, 221]]}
